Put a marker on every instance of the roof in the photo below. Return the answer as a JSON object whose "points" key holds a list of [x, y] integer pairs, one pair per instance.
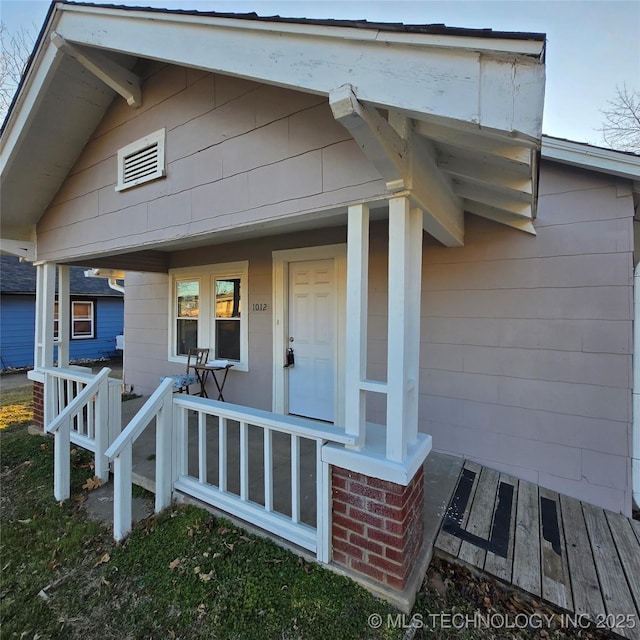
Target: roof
{"points": [[623, 164], [474, 97], [20, 277]]}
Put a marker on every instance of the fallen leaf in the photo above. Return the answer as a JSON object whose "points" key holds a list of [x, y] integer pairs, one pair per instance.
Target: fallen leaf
{"points": [[196, 570], [205, 577], [229, 546], [73, 452], [174, 563], [105, 558], [27, 521], [92, 483], [43, 447]]}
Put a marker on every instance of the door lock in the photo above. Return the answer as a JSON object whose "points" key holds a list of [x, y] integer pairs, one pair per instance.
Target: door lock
{"points": [[291, 361]]}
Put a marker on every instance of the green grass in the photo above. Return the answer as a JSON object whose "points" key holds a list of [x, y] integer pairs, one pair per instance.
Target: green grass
{"points": [[182, 575], [16, 406]]}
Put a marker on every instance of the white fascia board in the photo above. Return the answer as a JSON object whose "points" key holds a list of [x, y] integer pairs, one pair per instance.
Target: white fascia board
{"points": [[594, 158], [519, 47], [457, 84]]}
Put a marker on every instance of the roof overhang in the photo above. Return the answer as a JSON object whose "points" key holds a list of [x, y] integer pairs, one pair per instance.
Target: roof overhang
{"points": [[473, 100]]}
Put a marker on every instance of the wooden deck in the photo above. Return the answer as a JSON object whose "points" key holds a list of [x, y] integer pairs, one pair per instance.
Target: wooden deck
{"points": [[581, 558]]}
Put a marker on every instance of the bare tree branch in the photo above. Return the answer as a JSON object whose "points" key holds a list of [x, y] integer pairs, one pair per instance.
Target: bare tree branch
{"points": [[15, 51], [621, 128]]}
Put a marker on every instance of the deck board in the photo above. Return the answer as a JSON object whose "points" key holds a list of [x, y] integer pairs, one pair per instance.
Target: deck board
{"points": [[495, 564], [635, 525], [445, 541], [480, 518], [615, 590], [587, 598], [556, 583], [526, 556], [628, 548]]}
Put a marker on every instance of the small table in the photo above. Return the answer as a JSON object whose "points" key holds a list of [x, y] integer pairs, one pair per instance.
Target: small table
{"points": [[202, 373]]}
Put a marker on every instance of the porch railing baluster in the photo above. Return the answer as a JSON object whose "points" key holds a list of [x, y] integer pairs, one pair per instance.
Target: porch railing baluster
{"points": [[295, 478], [202, 447], [268, 469], [222, 454], [244, 461]]}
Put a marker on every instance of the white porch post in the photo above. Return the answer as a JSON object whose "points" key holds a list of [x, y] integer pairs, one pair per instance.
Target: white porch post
{"points": [[43, 355], [405, 263], [64, 311], [45, 300], [356, 329]]}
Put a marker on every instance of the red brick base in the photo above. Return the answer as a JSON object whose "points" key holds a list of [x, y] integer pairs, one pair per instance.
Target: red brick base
{"points": [[377, 525], [38, 405]]}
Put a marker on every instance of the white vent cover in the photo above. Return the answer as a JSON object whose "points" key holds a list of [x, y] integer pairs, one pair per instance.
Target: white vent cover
{"points": [[141, 161]]}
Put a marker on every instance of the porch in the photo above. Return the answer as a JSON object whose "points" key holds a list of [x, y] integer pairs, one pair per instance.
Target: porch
{"points": [[581, 559]]}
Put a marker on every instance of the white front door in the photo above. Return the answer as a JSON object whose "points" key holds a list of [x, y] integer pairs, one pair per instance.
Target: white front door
{"points": [[312, 336]]}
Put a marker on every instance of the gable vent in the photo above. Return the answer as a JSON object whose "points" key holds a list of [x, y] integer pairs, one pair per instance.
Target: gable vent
{"points": [[141, 161]]}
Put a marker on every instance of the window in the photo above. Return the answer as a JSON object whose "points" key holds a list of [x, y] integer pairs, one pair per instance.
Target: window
{"points": [[141, 161], [227, 318], [207, 310], [82, 320], [187, 313]]}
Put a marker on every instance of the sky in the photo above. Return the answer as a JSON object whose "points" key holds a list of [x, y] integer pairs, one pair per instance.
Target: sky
{"points": [[592, 46]]}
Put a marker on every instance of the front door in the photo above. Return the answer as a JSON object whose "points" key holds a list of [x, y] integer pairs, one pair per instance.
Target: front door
{"points": [[312, 336]]}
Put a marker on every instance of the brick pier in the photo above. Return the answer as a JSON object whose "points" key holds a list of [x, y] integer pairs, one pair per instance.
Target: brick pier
{"points": [[377, 526]]}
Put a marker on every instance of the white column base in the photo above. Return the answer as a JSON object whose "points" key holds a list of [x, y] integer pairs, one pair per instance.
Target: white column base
{"points": [[371, 460]]}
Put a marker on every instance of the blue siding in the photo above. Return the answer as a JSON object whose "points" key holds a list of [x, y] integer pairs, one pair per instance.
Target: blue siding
{"points": [[17, 329], [109, 324]]}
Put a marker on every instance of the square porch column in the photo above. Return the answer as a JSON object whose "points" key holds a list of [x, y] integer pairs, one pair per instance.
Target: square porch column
{"points": [[43, 355], [377, 486]]}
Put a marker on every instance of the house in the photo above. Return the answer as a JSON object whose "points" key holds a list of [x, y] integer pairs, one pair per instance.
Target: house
{"points": [[96, 315], [367, 222]]}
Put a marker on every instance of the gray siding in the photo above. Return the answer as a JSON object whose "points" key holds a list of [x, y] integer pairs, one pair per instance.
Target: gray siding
{"points": [[238, 153], [526, 342]]}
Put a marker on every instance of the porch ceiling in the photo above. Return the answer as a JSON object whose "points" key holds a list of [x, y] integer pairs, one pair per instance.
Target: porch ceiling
{"points": [[474, 98]]}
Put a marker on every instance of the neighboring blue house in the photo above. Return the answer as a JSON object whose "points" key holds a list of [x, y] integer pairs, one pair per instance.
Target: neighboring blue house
{"points": [[97, 313]]}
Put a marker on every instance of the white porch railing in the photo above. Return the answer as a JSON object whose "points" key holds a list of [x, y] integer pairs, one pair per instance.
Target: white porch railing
{"points": [[284, 522], [159, 407], [77, 410], [233, 424]]}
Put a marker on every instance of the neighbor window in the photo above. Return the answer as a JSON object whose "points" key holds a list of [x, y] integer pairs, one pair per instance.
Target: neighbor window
{"points": [[82, 320], [207, 312]]}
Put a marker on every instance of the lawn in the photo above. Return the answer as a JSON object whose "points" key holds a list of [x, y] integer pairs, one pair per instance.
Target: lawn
{"points": [[16, 406]]}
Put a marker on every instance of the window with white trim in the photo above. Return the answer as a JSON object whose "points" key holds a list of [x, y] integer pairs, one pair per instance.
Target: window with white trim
{"points": [[141, 161], [82, 320], [208, 309]]}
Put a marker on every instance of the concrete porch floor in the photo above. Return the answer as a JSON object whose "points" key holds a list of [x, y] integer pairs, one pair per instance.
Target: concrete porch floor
{"points": [[441, 471]]}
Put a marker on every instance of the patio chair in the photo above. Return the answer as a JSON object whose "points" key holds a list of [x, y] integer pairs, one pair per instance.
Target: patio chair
{"points": [[182, 381]]}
